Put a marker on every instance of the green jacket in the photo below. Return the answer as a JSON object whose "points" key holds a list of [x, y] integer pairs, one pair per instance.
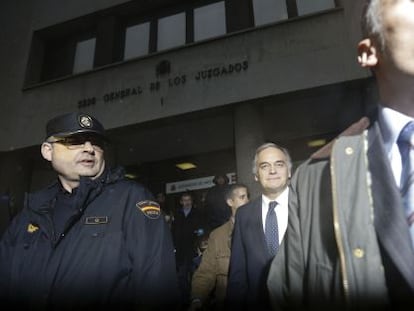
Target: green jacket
{"points": [[331, 255]]}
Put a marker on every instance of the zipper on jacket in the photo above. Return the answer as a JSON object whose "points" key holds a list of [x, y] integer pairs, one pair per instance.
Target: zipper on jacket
{"points": [[337, 230]]}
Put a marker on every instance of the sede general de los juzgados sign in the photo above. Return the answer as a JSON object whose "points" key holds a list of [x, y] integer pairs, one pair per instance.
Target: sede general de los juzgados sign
{"points": [[216, 72]]}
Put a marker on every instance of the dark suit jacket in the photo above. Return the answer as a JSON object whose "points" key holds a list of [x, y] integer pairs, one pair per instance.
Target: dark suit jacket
{"points": [[390, 224], [184, 233], [249, 261]]}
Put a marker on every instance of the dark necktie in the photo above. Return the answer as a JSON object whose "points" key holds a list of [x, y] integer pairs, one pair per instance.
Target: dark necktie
{"points": [[271, 229], [405, 144]]}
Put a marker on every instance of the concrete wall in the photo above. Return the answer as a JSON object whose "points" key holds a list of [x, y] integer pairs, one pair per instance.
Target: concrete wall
{"points": [[250, 67], [292, 55]]}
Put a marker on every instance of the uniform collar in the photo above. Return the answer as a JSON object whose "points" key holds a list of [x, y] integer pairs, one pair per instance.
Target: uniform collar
{"points": [[355, 129]]}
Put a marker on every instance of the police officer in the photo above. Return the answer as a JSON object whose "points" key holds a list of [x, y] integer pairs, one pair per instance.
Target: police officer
{"points": [[91, 239]]}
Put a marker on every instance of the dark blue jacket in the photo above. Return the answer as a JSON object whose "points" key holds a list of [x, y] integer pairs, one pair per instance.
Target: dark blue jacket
{"points": [[218, 210], [249, 261], [115, 250], [187, 233]]}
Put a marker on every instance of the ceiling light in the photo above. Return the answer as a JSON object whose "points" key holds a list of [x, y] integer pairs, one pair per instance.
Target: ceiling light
{"points": [[185, 166], [316, 143], [131, 176]]}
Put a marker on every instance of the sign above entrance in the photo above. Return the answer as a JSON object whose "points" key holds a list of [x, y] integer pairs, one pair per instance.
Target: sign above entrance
{"points": [[195, 184], [165, 80]]}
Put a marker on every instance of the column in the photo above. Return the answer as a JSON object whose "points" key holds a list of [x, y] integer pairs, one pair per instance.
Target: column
{"points": [[248, 135]]}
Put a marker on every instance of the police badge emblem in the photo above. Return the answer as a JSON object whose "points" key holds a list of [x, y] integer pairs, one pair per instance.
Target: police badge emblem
{"points": [[149, 208], [85, 121]]}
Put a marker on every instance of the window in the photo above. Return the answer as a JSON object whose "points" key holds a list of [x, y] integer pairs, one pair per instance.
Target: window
{"points": [[137, 40], [84, 55], [51, 59], [171, 31], [307, 6], [209, 21], [139, 28], [268, 11]]}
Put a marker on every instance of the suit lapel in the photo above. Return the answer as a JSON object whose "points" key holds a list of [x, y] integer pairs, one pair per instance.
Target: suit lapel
{"points": [[258, 223], [390, 222]]}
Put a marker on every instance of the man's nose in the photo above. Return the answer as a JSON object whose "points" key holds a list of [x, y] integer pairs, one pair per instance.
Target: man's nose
{"points": [[87, 146], [273, 168]]}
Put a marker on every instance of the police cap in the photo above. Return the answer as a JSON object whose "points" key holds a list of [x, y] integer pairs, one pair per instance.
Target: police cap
{"points": [[74, 123]]}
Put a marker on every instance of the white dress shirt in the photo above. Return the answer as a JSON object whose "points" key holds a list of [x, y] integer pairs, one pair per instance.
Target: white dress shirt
{"points": [[281, 210], [391, 123]]}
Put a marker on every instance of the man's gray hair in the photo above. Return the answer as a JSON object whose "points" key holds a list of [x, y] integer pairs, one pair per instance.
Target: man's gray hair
{"points": [[270, 145]]}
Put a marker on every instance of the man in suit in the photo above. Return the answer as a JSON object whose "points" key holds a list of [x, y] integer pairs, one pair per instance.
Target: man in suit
{"points": [[187, 229], [348, 244], [253, 247]]}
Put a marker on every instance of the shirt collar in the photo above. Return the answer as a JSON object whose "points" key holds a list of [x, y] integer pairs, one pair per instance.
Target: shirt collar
{"points": [[391, 123], [282, 199], [63, 191], [186, 210]]}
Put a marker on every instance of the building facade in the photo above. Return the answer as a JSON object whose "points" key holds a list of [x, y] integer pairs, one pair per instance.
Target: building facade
{"points": [[172, 80]]}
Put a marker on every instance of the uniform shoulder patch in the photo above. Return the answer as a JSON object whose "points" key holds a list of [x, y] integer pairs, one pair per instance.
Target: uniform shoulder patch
{"points": [[151, 209]]}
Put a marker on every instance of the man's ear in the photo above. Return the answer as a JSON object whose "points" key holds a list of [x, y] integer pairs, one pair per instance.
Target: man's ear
{"points": [[229, 202], [46, 150], [367, 54], [256, 178]]}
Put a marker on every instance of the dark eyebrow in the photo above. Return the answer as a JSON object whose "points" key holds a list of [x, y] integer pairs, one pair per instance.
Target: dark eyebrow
{"points": [[266, 162]]}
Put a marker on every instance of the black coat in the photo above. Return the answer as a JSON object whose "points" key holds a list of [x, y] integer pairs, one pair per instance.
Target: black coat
{"points": [[249, 261], [187, 233], [113, 252], [216, 206]]}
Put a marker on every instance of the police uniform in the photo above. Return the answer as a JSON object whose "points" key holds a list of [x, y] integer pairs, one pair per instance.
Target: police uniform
{"points": [[103, 246]]}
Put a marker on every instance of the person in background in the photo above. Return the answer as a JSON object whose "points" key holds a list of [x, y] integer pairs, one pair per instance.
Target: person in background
{"points": [[188, 229], [92, 239], [161, 199], [258, 230], [213, 271], [349, 245], [215, 202]]}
